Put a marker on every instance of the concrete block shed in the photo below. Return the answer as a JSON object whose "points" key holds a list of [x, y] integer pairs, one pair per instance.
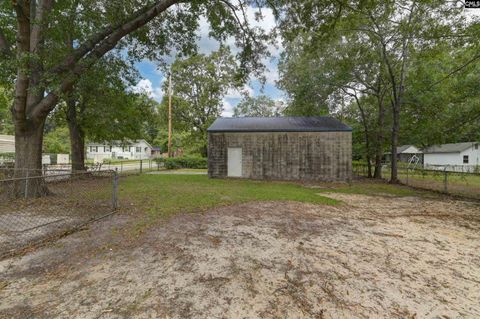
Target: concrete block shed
{"points": [[280, 148]]}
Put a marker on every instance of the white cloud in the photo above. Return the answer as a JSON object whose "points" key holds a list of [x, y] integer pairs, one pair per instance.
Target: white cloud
{"points": [[239, 93], [227, 108], [146, 86]]}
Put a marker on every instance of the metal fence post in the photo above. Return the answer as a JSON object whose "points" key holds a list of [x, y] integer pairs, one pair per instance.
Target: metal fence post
{"points": [[115, 190], [445, 180], [141, 164], [407, 175], [26, 185]]}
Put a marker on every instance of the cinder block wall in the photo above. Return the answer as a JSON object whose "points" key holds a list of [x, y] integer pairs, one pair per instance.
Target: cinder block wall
{"points": [[319, 156]]}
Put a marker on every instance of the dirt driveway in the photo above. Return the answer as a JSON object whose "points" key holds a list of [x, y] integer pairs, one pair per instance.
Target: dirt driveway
{"points": [[374, 257]]}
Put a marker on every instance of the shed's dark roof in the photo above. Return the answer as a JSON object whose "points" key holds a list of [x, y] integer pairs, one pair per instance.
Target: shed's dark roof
{"points": [[449, 148], [278, 124]]}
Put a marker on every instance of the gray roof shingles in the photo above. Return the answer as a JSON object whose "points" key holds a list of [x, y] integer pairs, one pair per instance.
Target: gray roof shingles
{"points": [[278, 124], [449, 148]]}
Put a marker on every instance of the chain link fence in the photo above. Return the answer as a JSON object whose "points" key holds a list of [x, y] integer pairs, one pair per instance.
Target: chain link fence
{"points": [[124, 167], [129, 166], [458, 182], [42, 205]]}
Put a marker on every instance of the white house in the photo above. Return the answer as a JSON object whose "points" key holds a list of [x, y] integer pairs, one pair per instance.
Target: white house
{"points": [[456, 156], [7, 144], [139, 149]]}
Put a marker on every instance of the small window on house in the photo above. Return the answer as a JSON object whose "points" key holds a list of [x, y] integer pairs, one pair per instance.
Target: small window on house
{"points": [[465, 159], [93, 149], [108, 148], [138, 149], [126, 148], [146, 149], [476, 146]]}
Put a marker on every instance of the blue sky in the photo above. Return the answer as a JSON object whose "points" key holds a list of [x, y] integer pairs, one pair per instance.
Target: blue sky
{"points": [[152, 77]]}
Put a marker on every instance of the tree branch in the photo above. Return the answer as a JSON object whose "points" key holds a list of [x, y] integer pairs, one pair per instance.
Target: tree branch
{"points": [[92, 50]]}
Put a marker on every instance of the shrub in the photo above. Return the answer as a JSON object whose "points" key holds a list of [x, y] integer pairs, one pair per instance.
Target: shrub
{"points": [[183, 162]]}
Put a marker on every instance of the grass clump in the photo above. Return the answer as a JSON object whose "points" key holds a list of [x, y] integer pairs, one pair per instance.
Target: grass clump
{"points": [[374, 188]]}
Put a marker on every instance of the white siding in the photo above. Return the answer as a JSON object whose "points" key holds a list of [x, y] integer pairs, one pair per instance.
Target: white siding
{"points": [[443, 160], [7, 144], [138, 150], [473, 156]]}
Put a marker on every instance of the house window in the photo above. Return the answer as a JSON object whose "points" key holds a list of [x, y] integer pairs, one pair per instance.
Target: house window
{"points": [[108, 148], [126, 149], [93, 149], [465, 159], [476, 146], [138, 149]]}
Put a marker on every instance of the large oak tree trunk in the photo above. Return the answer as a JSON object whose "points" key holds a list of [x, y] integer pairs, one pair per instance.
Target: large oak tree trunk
{"points": [[77, 137], [28, 160]]}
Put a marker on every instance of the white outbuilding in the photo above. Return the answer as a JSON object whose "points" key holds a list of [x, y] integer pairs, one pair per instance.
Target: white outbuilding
{"points": [[455, 157]]}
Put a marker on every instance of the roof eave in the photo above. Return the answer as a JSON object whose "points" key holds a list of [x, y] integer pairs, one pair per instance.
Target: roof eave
{"points": [[275, 131]]}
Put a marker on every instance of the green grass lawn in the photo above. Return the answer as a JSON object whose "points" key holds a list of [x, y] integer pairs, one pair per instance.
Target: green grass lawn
{"points": [[164, 194]]}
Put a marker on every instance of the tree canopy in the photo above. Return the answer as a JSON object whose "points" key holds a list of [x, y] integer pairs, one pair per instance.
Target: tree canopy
{"points": [[260, 105]]}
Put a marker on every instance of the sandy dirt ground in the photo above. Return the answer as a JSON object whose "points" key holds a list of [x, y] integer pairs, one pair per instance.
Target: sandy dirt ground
{"points": [[373, 257]]}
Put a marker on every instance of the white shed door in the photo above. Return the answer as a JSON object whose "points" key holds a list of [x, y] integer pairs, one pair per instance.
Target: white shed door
{"points": [[234, 163]]}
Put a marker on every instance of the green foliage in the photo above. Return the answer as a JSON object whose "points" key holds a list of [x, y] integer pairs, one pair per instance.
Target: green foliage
{"points": [[183, 162], [439, 107], [199, 84], [106, 107], [7, 156], [6, 100], [57, 141], [258, 106], [420, 59]]}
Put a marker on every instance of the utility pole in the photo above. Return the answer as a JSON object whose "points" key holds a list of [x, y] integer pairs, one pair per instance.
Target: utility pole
{"points": [[169, 114]]}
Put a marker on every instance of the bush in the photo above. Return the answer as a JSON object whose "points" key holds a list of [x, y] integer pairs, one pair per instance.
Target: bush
{"points": [[183, 162]]}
